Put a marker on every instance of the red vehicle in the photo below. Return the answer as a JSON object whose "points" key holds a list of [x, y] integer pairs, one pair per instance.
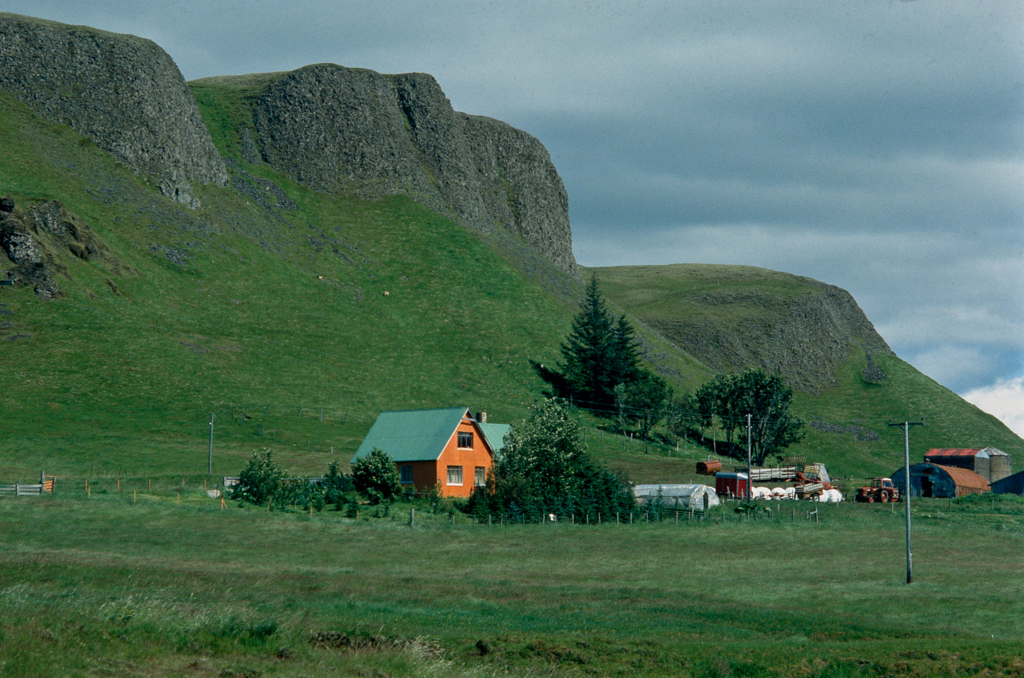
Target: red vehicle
{"points": [[880, 490]]}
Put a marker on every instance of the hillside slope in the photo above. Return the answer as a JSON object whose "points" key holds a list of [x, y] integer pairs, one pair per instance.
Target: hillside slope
{"points": [[234, 303], [294, 312], [849, 384], [122, 92]]}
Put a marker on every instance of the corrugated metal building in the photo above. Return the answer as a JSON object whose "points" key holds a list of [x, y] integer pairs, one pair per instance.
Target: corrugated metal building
{"points": [[1010, 484], [988, 462], [933, 480]]}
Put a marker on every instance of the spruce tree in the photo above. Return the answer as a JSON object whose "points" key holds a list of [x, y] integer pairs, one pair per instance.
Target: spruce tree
{"points": [[625, 355], [600, 353], [587, 351]]}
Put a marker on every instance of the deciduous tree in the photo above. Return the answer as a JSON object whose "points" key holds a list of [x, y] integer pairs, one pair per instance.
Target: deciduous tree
{"points": [[375, 476], [644, 401], [544, 468]]}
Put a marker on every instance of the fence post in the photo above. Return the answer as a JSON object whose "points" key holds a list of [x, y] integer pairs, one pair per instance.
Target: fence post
{"points": [[412, 517]]}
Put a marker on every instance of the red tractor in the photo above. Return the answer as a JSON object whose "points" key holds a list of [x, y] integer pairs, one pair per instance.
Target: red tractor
{"points": [[880, 490]]}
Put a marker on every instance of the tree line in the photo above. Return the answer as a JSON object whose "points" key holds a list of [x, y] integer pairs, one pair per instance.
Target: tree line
{"points": [[543, 469]]}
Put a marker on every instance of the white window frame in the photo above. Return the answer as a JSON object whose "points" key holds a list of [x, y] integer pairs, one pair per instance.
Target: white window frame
{"points": [[458, 440], [480, 476], [454, 471], [405, 472]]}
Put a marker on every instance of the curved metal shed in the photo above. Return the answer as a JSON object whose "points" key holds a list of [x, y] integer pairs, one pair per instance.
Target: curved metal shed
{"points": [[933, 480]]}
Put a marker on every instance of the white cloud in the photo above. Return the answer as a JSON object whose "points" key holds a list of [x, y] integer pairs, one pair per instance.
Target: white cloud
{"points": [[1003, 400]]}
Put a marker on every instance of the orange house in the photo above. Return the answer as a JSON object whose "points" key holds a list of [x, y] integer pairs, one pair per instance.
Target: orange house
{"points": [[445, 448]]}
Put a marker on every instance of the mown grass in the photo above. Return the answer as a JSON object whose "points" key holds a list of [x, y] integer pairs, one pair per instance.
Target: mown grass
{"points": [[158, 588]]}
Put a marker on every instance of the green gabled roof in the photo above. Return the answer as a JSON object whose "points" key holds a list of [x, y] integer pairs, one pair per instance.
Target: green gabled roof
{"points": [[495, 435], [412, 435]]}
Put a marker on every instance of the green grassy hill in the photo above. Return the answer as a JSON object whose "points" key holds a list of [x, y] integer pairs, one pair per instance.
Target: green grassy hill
{"points": [[237, 305], [295, 317], [846, 403]]}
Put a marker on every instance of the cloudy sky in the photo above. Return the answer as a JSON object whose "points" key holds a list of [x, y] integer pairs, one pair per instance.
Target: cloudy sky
{"points": [[877, 145]]}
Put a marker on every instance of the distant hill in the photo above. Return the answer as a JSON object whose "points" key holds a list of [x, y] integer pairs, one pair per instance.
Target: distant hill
{"points": [[248, 247], [848, 381]]}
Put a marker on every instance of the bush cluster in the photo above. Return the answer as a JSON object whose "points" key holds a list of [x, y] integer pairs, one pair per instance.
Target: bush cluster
{"points": [[544, 468], [264, 482]]}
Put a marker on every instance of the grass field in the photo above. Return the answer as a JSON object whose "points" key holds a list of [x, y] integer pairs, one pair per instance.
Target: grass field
{"points": [[107, 586]]}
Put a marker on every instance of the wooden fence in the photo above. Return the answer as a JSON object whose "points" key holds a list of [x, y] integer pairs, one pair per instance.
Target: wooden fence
{"points": [[26, 490]]}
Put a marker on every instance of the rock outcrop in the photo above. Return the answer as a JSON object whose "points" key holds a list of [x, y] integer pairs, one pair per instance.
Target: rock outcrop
{"points": [[35, 239], [123, 92], [358, 132]]}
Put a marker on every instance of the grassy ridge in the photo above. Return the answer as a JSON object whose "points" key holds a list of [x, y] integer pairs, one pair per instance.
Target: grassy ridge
{"points": [[156, 587], [128, 379], [860, 408]]}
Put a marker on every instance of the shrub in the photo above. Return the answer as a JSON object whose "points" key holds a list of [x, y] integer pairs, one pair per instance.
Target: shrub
{"points": [[261, 480], [544, 468], [375, 477], [336, 486]]}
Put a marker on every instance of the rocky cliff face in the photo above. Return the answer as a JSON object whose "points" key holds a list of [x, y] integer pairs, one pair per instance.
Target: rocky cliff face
{"points": [[343, 130], [123, 92], [731, 318], [803, 337]]}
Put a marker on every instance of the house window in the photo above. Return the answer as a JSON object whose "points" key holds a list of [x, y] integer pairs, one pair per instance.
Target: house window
{"points": [[481, 476], [405, 471], [454, 475], [465, 440]]}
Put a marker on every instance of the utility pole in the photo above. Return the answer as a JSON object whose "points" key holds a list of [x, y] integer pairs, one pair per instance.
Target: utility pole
{"points": [[748, 457], [906, 484], [209, 463]]}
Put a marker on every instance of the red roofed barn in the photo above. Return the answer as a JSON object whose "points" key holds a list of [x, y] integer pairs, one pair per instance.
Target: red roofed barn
{"points": [[988, 462]]}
